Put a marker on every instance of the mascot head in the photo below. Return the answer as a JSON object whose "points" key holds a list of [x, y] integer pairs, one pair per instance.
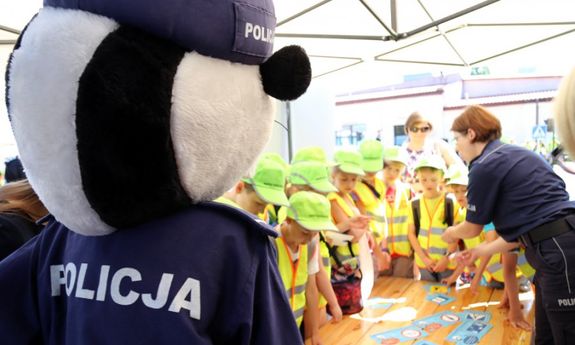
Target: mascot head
{"points": [[125, 111]]}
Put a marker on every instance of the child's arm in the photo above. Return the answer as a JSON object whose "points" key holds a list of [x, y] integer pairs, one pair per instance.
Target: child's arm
{"points": [[515, 315], [453, 277], [429, 263], [383, 259], [490, 236], [325, 288], [355, 226], [444, 261], [311, 313]]}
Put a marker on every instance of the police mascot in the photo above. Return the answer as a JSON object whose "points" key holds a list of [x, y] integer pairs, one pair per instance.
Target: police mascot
{"points": [[130, 116]]}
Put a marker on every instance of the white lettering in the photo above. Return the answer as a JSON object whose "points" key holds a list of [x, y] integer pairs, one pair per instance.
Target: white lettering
{"points": [[187, 296], [566, 302], [57, 279], [103, 283], [249, 29], [161, 295], [258, 32], [70, 273], [122, 273], [191, 287], [80, 291]]}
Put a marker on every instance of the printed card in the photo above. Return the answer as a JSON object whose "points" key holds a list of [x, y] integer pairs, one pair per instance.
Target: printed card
{"points": [[398, 335], [437, 288], [474, 315], [434, 322], [469, 332], [439, 298]]}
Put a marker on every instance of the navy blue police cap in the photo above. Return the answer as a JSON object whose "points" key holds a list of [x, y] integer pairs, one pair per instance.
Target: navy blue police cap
{"points": [[238, 31]]}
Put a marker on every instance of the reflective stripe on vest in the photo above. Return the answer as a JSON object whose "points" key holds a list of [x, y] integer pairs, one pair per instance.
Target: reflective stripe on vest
{"points": [[293, 277], [397, 215], [430, 234], [343, 252]]}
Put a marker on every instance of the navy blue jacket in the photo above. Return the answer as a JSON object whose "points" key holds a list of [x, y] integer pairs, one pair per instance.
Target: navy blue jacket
{"points": [[207, 275]]}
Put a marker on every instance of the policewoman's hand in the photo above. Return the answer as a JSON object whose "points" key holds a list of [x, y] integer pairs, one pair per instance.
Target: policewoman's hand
{"points": [[448, 236], [467, 257]]}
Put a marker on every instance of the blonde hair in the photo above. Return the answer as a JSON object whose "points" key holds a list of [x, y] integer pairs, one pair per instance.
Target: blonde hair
{"points": [[19, 198], [565, 112]]}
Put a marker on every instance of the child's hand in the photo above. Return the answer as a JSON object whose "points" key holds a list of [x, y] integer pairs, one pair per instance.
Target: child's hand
{"points": [[383, 261], [517, 319], [429, 263], [336, 313], [441, 265], [449, 281], [504, 302], [475, 284]]}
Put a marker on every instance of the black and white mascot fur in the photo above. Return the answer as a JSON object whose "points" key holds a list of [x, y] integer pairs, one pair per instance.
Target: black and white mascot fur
{"points": [[130, 116]]}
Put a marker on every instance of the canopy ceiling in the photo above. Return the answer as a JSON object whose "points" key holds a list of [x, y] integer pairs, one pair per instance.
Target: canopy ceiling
{"points": [[378, 38]]}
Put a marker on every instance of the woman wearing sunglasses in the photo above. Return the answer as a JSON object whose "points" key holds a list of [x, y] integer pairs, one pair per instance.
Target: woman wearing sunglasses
{"points": [[420, 144]]}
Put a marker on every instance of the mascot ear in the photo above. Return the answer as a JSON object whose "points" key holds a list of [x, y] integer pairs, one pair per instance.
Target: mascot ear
{"points": [[286, 74]]}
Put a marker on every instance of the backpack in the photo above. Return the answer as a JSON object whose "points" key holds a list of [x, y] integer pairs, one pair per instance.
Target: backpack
{"points": [[448, 213]]}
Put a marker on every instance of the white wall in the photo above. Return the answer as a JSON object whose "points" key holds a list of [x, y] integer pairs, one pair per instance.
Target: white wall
{"points": [[313, 118]]}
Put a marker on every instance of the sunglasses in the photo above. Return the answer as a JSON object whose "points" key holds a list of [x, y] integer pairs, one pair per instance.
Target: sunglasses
{"points": [[420, 129]]}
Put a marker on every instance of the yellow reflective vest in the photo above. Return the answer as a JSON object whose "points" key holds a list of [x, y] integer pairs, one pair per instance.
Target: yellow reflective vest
{"points": [[294, 276], [431, 228], [374, 206], [397, 214], [324, 253], [344, 255]]}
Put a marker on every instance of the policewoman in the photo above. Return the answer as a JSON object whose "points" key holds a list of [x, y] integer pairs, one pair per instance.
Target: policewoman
{"points": [[519, 192]]}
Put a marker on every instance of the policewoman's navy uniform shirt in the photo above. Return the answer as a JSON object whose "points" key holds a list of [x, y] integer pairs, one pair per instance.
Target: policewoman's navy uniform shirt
{"points": [[207, 275], [515, 189]]}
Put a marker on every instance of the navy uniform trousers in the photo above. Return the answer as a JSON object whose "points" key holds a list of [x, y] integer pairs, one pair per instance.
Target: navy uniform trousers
{"points": [[554, 262]]}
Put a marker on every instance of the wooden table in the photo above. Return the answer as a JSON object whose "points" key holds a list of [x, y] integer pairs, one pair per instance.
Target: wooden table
{"points": [[409, 304]]}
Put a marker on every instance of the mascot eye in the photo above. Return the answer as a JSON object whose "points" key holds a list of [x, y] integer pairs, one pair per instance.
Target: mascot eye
{"points": [[286, 74]]}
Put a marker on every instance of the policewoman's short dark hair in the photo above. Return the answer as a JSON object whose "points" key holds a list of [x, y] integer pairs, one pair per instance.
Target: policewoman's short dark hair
{"points": [[486, 126]]}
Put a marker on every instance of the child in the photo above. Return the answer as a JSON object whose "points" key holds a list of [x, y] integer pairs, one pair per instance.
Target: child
{"points": [[456, 185], [313, 176], [397, 208], [344, 211], [369, 195], [253, 194], [308, 214], [432, 212], [270, 213]]}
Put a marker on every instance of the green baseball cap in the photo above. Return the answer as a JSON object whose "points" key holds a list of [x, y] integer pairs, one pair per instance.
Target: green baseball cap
{"points": [[431, 161], [313, 174], [395, 154], [349, 162], [269, 182], [372, 153], [276, 157], [312, 211], [457, 174], [310, 153]]}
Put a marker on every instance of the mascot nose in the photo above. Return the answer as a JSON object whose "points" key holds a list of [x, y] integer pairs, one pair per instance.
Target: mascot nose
{"points": [[287, 73]]}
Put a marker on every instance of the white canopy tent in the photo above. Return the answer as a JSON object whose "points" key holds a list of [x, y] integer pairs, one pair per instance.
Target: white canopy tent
{"points": [[400, 36], [359, 44]]}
